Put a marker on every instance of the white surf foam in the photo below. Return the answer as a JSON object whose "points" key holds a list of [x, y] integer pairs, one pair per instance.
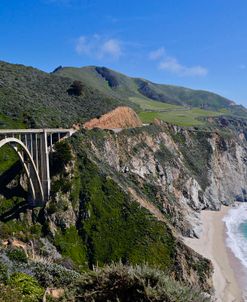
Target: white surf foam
{"points": [[236, 240]]}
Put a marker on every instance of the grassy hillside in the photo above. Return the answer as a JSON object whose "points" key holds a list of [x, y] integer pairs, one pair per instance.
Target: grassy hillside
{"points": [[166, 102], [120, 85], [32, 98], [117, 84]]}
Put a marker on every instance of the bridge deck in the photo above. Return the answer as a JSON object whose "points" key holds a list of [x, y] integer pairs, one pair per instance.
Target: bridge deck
{"points": [[47, 130]]}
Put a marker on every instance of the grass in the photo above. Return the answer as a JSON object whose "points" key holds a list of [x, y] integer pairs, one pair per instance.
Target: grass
{"points": [[178, 115], [71, 245], [7, 158], [180, 118], [10, 123], [39, 99], [113, 225], [146, 104], [137, 89]]}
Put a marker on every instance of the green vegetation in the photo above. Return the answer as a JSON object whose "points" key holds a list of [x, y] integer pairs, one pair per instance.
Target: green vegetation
{"points": [[148, 95], [173, 104], [8, 157], [20, 229], [114, 282], [113, 226], [3, 272], [134, 283], [32, 98], [179, 117], [29, 288], [17, 255], [119, 85], [71, 245], [10, 122], [147, 104], [60, 157], [90, 219]]}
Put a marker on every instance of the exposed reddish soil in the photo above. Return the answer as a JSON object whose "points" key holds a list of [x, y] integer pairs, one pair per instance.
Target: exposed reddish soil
{"points": [[121, 117]]}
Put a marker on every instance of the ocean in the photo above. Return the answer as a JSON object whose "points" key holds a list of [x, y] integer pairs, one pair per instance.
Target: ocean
{"points": [[236, 240]]}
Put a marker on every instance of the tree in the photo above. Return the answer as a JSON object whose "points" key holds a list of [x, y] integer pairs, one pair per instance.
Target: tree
{"points": [[76, 88]]}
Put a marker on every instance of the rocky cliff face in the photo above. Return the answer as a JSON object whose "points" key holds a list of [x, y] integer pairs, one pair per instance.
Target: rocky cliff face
{"points": [[180, 171], [131, 195], [111, 214]]}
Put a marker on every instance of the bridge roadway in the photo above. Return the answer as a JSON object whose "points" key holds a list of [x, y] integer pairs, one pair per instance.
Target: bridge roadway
{"points": [[33, 147], [48, 130]]}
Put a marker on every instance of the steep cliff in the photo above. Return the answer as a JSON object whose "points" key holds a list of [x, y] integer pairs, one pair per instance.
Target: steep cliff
{"points": [[130, 196], [182, 171]]}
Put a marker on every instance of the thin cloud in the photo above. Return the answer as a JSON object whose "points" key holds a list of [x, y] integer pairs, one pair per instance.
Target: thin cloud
{"points": [[112, 47], [172, 65], [99, 47], [157, 54]]}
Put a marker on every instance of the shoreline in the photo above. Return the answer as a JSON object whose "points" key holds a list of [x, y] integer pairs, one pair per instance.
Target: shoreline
{"points": [[212, 245]]}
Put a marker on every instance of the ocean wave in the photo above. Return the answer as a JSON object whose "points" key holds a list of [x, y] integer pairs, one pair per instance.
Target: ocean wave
{"points": [[236, 240]]}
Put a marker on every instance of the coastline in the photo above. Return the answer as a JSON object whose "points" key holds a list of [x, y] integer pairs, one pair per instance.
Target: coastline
{"points": [[212, 245]]}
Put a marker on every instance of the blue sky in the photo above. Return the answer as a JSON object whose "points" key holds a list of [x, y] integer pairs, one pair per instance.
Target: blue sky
{"points": [[200, 44]]}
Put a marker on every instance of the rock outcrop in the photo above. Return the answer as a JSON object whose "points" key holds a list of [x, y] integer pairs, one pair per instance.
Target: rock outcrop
{"points": [[182, 171]]}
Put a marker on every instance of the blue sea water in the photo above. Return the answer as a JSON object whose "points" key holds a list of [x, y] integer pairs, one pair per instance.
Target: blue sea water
{"points": [[243, 228]]}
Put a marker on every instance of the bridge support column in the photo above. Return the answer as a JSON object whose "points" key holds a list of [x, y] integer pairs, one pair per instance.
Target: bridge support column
{"points": [[33, 147], [45, 169]]}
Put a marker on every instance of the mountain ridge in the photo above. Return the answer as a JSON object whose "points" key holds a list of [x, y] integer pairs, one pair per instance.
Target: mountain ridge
{"points": [[109, 75]]}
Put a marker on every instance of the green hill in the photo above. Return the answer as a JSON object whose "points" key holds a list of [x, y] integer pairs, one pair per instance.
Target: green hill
{"points": [[174, 104], [117, 84], [32, 98]]}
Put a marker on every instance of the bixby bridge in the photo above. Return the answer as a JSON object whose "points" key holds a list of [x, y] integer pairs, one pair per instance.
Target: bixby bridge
{"points": [[33, 147]]}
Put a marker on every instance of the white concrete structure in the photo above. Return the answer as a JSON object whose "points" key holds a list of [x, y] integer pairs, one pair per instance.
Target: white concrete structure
{"points": [[33, 147]]}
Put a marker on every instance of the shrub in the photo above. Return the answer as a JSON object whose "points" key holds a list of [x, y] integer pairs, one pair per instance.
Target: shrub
{"points": [[55, 275], [3, 272], [76, 88], [28, 286], [9, 294], [139, 283], [17, 255]]}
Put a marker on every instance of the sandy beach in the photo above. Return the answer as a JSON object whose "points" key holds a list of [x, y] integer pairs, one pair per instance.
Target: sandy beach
{"points": [[212, 246]]}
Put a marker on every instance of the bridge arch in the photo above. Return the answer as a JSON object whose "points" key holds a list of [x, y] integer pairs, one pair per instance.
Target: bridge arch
{"points": [[33, 175]]}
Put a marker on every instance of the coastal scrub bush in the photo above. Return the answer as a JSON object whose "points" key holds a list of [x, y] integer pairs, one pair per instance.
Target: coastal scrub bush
{"points": [[54, 275], [9, 294], [28, 286], [121, 283], [18, 255], [3, 272]]}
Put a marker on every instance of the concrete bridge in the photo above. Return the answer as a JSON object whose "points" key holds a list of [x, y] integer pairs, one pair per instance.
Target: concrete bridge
{"points": [[33, 147]]}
